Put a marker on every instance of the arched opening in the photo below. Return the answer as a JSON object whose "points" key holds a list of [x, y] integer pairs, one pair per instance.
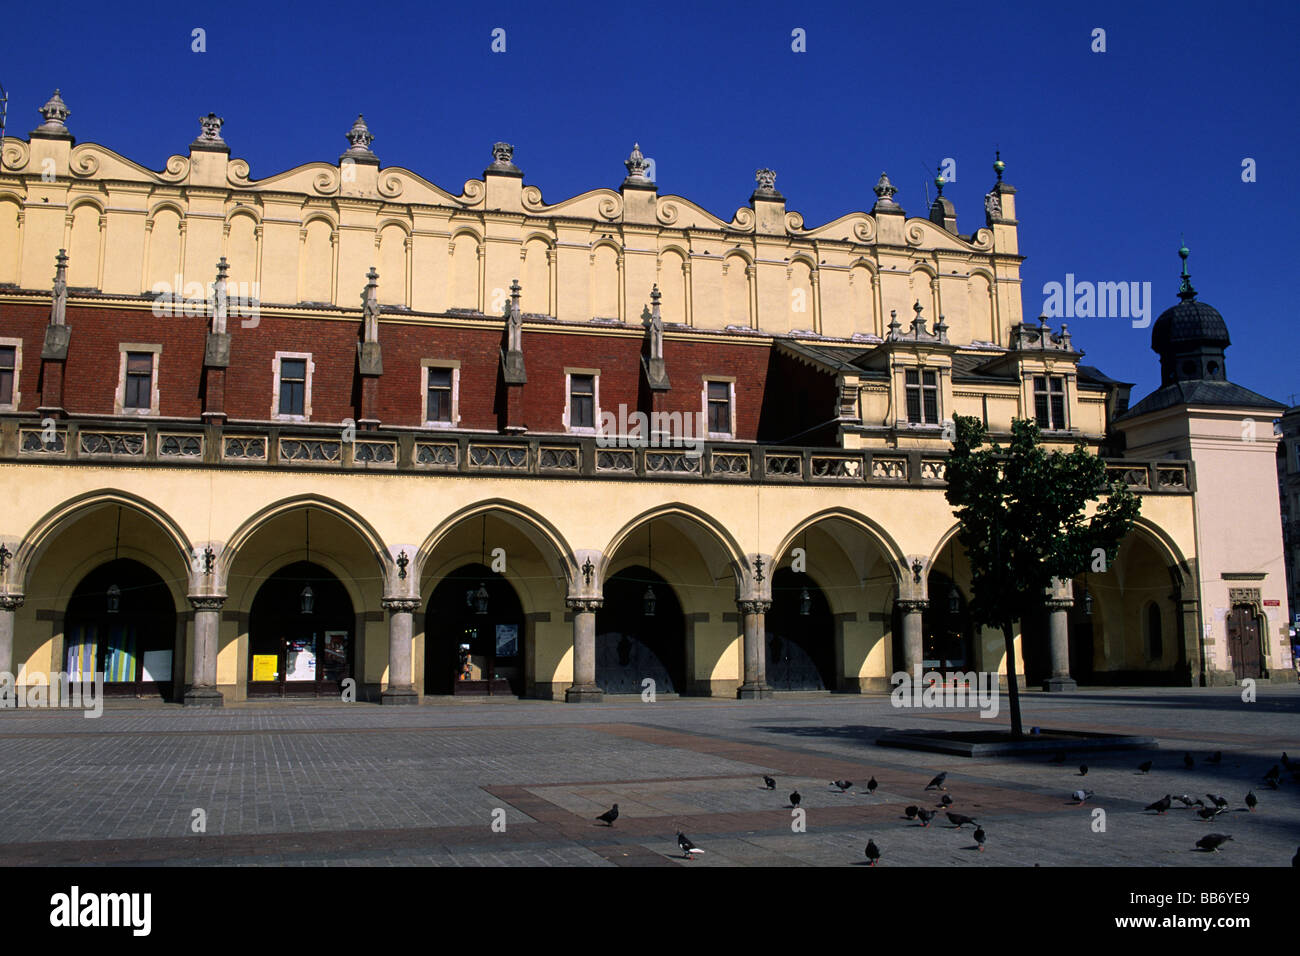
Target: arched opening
{"points": [[947, 632], [121, 622], [301, 634], [474, 635], [640, 633], [800, 634]]}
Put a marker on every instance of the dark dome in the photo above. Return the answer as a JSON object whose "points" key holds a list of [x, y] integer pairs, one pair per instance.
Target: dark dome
{"points": [[1189, 323]]}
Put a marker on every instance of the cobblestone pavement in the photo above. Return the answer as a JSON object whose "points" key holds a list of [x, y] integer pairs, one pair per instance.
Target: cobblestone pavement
{"points": [[343, 785]]}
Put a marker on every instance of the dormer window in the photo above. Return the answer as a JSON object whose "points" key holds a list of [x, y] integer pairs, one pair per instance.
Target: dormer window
{"points": [[1049, 402], [922, 387]]}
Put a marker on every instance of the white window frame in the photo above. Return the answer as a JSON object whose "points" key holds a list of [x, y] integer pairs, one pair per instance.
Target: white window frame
{"points": [[731, 404], [454, 366], [568, 399], [155, 397], [17, 345], [275, 387]]}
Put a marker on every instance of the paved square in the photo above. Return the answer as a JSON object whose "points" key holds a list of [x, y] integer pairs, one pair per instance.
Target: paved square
{"points": [[289, 783]]}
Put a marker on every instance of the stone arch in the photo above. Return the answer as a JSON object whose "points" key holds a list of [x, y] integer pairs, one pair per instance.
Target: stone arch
{"points": [[47, 528], [11, 217], [463, 277], [242, 241], [706, 528]]}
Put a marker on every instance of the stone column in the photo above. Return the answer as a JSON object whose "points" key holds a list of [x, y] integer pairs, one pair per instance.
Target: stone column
{"points": [[755, 686], [1059, 634], [912, 635], [401, 685], [207, 632], [9, 604], [584, 688]]}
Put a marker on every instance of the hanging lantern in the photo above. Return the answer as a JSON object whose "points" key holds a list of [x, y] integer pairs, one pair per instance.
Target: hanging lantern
{"points": [[805, 603], [1087, 602], [308, 600], [481, 599], [114, 598], [649, 599], [954, 600]]}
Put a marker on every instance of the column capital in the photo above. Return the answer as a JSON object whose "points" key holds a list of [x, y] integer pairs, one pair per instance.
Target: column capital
{"points": [[584, 605], [1059, 603], [750, 606], [11, 602], [207, 602], [401, 605], [908, 605]]}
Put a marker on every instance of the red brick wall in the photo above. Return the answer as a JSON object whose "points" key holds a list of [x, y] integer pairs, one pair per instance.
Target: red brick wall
{"points": [[92, 369]]}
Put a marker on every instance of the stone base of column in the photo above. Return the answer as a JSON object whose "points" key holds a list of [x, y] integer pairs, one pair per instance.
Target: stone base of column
{"points": [[755, 692], [1056, 684], [584, 694], [203, 697], [399, 695]]}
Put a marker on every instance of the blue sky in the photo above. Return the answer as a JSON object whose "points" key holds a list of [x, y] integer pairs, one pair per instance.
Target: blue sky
{"points": [[1114, 154]]}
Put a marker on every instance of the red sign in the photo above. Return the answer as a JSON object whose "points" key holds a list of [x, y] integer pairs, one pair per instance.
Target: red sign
{"points": [[1272, 604]]}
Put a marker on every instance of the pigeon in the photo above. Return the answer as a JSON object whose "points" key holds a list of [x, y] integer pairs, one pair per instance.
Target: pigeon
{"points": [[1082, 796], [925, 815], [911, 811], [1188, 762], [795, 798], [1217, 758], [609, 816], [844, 785], [873, 852], [1058, 757], [1213, 841], [1272, 782], [1083, 770], [1252, 801], [687, 846], [938, 781], [944, 801], [1161, 805], [1144, 766], [958, 819], [872, 785], [979, 837], [1208, 813], [769, 782], [1273, 773], [1187, 801], [1219, 802]]}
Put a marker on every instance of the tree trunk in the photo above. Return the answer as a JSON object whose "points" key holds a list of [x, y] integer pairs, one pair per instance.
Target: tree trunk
{"points": [[1013, 690]]}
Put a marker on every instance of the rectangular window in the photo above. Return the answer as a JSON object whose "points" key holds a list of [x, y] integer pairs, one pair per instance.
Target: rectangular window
{"points": [[139, 380], [922, 386], [438, 408], [1049, 402], [293, 386], [8, 363], [582, 401], [720, 408]]}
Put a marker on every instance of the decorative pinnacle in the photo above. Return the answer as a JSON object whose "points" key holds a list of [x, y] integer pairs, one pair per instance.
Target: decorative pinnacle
{"points": [[636, 163], [766, 179], [222, 268], [55, 112], [515, 289], [655, 296], [211, 128], [939, 180], [359, 136], [998, 165], [885, 189], [1185, 290]]}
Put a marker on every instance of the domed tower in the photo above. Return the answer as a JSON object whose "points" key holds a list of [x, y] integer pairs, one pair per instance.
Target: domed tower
{"points": [[1190, 337], [1232, 592]]}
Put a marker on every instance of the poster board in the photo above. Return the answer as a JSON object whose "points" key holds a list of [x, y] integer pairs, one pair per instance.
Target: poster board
{"points": [[264, 667], [507, 640], [157, 666]]}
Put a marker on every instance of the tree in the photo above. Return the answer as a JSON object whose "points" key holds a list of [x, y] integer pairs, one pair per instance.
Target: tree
{"points": [[1022, 523]]}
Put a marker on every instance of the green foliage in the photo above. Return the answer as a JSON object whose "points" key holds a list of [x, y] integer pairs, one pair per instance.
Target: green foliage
{"points": [[1022, 516]]}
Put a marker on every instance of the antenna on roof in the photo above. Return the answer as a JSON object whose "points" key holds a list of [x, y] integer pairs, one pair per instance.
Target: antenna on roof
{"points": [[925, 185]]}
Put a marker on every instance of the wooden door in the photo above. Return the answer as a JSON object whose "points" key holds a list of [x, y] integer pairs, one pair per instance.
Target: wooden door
{"points": [[1244, 642]]}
